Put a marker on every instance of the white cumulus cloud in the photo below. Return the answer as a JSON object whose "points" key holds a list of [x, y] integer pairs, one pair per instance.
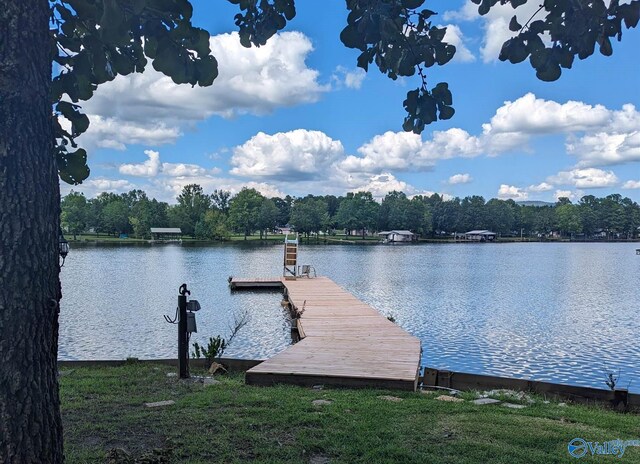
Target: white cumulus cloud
{"points": [[631, 184], [351, 79], [541, 187], [511, 192], [495, 24], [531, 115], [295, 155], [570, 194], [455, 37], [595, 135], [152, 167], [152, 109], [406, 150], [149, 168], [459, 179], [585, 178]]}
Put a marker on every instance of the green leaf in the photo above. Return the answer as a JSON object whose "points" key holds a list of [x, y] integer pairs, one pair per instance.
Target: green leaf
{"points": [[79, 121], [80, 124], [630, 13], [72, 166], [445, 54], [517, 51], [351, 38], [201, 46], [442, 93], [112, 27], [289, 11], [540, 58], [411, 102], [363, 60], [437, 33], [605, 46], [412, 4], [405, 66], [137, 6], [207, 71], [446, 112], [514, 25], [549, 73]]}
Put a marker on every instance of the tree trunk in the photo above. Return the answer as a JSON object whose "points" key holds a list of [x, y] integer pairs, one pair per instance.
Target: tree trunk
{"points": [[30, 424]]}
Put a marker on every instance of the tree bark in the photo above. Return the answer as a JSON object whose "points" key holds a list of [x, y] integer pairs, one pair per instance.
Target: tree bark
{"points": [[30, 423]]}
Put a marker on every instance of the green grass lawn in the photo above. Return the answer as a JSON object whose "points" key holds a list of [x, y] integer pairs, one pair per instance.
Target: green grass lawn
{"points": [[103, 409]]}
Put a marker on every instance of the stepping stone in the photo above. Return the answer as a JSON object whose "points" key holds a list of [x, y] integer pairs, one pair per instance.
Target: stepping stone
{"points": [[158, 404], [209, 381], [562, 405], [317, 387], [451, 399], [393, 399], [483, 401], [172, 374], [514, 406], [321, 402]]}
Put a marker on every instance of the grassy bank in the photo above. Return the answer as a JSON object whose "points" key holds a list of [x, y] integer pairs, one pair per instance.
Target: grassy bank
{"points": [[103, 409]]}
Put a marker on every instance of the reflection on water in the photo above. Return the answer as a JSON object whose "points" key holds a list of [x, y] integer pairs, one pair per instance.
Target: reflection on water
{"points": [[556, 312]]}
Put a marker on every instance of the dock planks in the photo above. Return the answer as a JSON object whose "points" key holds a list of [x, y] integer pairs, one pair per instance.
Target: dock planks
{"points": [[345, 341]]}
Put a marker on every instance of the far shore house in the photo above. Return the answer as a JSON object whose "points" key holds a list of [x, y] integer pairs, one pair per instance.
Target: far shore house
{"points": [[166, 234], [284, 230], [392, 236], [480, 235]]}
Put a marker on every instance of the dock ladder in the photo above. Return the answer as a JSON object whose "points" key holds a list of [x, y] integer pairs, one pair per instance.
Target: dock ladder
{"points": [[290, 256]]}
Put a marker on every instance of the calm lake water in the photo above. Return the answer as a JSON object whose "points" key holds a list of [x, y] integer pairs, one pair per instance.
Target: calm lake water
{"points": [[557, 312]]}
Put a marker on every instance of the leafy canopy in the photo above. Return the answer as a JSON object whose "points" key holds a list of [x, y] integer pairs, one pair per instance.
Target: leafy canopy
{"points": [[572, 28], [95, 40]]}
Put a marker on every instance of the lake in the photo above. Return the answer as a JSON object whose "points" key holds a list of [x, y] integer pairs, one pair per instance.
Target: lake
{"points": [[559, 312]]}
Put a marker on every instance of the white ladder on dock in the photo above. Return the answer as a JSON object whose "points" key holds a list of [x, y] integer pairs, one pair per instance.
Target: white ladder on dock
{"points": [[290, 256]]}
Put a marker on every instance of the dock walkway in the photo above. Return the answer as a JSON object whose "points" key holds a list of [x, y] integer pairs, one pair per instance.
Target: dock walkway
{"points": [[344, 341]]}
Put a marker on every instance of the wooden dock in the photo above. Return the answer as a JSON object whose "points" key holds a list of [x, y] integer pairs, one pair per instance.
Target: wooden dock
{"points": [[237, 284], [343, 340]]}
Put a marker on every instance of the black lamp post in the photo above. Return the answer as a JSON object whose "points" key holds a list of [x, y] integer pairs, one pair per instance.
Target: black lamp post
{"points": [[63, 247]]}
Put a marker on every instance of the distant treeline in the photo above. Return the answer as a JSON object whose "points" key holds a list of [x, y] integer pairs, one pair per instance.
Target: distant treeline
{"points": [[217, 215]]}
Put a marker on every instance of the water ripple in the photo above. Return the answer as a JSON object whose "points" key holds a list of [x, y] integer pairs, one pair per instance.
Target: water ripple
{"points": [[555, 312]]}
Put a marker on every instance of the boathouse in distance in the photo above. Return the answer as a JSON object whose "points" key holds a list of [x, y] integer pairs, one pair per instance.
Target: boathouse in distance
{"points": [[480, 235], [391, 236], [166, 234]]}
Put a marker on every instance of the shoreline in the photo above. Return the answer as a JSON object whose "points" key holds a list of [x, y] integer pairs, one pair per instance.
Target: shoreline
{"points": [[328, 241], [431, 378]]}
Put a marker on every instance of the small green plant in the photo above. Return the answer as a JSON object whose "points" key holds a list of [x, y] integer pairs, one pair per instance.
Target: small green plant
{"points": [[612, 380], [215, 349], [217, 345]]}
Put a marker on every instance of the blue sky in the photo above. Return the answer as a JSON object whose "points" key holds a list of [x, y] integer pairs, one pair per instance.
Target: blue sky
{"points": [[296, 116]]}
